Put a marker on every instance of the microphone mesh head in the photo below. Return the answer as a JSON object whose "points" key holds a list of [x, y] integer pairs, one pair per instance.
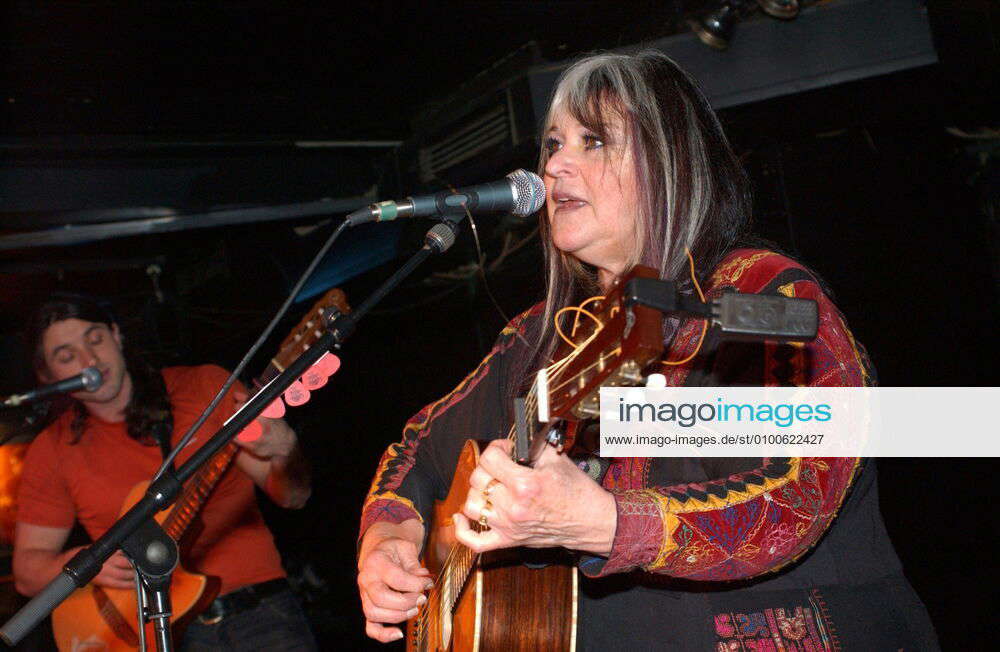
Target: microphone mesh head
{"points": [[529, 192], [92, 378]]}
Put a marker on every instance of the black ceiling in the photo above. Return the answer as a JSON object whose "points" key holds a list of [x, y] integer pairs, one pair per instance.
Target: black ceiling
{"points": [[331, 70], [339, 71]]}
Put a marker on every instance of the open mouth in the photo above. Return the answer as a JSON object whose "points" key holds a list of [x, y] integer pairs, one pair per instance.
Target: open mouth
{"points": [[565, 202]]}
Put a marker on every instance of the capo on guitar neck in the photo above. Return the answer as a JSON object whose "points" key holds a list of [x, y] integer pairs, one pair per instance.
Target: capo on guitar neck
{"points": [[526, 447], [520, 431]]}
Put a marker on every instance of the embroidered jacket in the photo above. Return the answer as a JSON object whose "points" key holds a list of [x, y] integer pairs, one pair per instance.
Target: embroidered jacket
{"points": [[731, 527], [708, 553]]}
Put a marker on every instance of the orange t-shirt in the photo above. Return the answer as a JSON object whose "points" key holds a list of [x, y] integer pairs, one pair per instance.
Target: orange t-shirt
{"points": [[88, 481]]}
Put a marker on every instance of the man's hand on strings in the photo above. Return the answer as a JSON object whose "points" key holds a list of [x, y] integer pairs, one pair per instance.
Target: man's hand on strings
{"points": [[551, 504]]}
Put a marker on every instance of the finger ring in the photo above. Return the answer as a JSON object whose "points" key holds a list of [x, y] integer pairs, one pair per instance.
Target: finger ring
{"points": [[489, 487], [483, 516]]}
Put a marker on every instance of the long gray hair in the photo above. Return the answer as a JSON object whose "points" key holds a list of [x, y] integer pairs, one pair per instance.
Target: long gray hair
{"points": [[693, 193]]}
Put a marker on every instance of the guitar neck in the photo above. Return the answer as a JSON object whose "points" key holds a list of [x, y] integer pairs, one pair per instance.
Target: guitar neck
{"points": [[200, 486]]}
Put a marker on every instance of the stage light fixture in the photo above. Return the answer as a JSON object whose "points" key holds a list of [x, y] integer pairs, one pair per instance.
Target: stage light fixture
{"points": [[783, 9], [716, 28]]}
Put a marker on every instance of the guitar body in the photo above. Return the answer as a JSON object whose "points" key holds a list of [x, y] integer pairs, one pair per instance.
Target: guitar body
{"points": [[503, 605], [99, 618]]}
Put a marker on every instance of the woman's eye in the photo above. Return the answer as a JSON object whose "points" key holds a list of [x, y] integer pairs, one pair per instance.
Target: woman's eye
{"points": [[591, 141], [552, 146], [97, 339], [64, 359]]}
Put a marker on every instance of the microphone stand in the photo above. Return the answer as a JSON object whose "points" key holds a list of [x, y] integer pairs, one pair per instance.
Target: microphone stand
{"points": [[153, 553]]}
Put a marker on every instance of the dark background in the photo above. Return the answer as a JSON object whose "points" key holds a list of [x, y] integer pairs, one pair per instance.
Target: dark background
{"points": [[887, 186]]}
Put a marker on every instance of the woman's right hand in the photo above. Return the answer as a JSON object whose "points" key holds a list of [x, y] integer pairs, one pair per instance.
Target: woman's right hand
{"points": [[390, 578]]}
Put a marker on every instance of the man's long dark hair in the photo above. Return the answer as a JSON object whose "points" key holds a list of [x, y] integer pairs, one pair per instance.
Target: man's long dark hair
{"points": [[148, 417]]}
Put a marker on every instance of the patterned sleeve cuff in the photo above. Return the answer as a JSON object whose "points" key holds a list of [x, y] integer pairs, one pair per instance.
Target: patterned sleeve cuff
{"points": [[638, 537], [390, 509]]}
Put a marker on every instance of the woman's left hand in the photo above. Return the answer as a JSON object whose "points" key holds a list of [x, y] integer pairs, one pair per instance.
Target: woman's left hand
{"points": [[549, 505]]}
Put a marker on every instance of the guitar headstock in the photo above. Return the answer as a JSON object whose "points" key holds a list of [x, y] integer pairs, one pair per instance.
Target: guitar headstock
{"points": [[629, 340], [613, 353], [309, 329]]}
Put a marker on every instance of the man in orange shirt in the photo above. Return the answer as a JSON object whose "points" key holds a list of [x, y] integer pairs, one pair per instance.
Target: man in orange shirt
{"points": [[82, 466]]}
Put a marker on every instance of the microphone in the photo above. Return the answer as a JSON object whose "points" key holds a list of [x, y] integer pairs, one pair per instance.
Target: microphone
{"points": [[90, 379], [520, 192]]}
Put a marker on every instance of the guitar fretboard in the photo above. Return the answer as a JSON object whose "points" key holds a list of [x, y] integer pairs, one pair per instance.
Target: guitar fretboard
{"points": [[200, 486], [455, 569]]}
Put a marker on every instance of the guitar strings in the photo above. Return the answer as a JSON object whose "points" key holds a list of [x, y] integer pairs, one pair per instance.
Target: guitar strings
{"points": [[459, 560]]}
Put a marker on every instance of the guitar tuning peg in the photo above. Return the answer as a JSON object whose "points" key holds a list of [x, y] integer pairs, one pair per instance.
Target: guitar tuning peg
{"points": [[656, 381]]}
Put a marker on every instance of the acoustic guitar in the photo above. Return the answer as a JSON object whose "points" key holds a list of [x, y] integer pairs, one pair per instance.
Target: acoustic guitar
{"points": [[99, 618], [522, 599]]}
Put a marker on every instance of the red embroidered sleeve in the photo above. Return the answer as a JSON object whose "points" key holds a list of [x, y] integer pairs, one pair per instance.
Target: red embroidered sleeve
{"points": [[738, 527], [757, 521]]}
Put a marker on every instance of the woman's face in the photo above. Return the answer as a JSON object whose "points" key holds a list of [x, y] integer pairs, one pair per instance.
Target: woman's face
{"points": [[591, 194]]}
